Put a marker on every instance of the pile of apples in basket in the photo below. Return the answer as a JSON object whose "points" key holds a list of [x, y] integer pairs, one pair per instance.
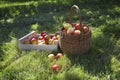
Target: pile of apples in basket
{"points": [[74, 29]]}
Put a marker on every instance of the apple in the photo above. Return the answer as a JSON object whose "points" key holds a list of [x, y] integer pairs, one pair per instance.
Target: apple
{"points": [[67, 25], [63, 30], [34, 40], [70, 30], [51, 41], [58, 36], [77, 26], [54, 38], [77, 32], [46, 38], [86, 29], [59, 55], [51, 57], [55, 42], [43, 34], [41, 42], [40, 37], [56, 67]]}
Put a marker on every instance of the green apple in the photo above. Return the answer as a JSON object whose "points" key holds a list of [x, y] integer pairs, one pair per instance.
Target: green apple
{"points": [[67, 25]]}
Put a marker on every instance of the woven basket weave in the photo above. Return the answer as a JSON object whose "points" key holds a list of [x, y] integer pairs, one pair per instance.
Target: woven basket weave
{"points": [[75, 44]]}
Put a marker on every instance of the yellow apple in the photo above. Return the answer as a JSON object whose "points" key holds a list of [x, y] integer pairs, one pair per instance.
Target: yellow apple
{"points": [[34, 40], [51, 57], [70, 30]]}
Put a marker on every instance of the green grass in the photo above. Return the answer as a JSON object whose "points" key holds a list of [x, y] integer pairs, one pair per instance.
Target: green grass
{"points": [[19, 18]]}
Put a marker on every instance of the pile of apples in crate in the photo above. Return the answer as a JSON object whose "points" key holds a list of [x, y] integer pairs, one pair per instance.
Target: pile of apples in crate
{"points": [[43, 38], [74, 29]]}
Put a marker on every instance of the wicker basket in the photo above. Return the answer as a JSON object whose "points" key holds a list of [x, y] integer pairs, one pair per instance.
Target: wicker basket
{"points": [[75, 44]]}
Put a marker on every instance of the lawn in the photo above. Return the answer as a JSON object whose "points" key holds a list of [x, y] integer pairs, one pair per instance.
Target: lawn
{"points": [[102, 62]]}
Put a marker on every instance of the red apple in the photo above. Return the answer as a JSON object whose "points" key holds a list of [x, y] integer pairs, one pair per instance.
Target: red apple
{"points": [[54, 38], [43, 34], [34, 40], [77, 32], [56, 68], [59, 55], [51, 57], [86, 29], [77, 26], [63, 30], [46, 38], [40, 37]]}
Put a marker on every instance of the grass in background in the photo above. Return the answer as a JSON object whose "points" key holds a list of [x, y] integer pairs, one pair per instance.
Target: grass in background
{"points": [[102, 62]]}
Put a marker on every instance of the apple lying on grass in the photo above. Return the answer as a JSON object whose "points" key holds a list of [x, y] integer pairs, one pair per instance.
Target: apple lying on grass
{"points": [[59, 55], [56, 68], [51, 57]]}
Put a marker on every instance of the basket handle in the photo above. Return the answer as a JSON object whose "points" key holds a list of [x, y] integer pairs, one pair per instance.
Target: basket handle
{"points": [[78, 11]]}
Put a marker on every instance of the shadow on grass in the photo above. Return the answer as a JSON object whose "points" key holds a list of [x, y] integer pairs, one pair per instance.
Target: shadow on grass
{"points": [[17, 24], [98, 60], [17, 21]]}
